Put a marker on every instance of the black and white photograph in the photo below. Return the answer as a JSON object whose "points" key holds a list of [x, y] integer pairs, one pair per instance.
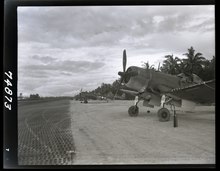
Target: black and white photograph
{"points": [[116, 85]]}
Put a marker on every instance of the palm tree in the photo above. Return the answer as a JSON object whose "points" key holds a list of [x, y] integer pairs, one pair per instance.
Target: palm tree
{"points": [[194, 62], [180, 66], [208, 71], [146, 65], [170, 65], [213, 63]]}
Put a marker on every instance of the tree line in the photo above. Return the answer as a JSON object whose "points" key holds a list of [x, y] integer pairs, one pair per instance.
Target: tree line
{"points": [[194, 63]]}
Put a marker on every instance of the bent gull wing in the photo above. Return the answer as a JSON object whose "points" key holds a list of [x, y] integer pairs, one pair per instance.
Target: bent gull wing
{"points": [[202, 93]]}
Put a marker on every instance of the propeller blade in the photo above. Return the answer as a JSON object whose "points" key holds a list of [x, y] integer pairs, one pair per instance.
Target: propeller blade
{"points": [[124, 60], [122, 74]]}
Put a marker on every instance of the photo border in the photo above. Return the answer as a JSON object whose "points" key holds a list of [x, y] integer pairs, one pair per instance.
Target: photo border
{"points": [[10, 61]]}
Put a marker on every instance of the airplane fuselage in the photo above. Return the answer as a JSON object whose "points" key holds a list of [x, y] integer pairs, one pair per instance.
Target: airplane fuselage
{"points": [[154, 80]]}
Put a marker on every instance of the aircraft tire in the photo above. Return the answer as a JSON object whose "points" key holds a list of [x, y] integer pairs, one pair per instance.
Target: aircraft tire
{"points": [[163, 115], [133, 111]]}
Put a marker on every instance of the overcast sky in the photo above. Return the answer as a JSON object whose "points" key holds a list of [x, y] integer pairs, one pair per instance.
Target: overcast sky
{"points": [[64, 49]]}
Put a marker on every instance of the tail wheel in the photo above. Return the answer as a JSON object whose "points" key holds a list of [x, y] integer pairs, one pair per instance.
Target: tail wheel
{"points": [[163, 114], [133, 111]]}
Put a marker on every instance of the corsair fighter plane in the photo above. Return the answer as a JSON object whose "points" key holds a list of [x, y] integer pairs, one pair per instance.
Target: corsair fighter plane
{"points": [[150, 85]]}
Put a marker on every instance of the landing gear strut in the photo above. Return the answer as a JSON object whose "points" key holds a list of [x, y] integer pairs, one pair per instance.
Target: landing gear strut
{"points": [[164, 114], [134, 110]]}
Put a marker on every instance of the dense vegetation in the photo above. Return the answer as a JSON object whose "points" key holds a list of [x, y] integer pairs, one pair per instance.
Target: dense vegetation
{"points": [[193, 63]]}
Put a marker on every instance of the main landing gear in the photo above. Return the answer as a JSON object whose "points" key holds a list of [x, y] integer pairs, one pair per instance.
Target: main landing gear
{"points": [[163, 114], [134, 110]]}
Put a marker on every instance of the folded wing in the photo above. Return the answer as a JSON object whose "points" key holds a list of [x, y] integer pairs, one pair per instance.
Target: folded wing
{"points": [[202, 93]]}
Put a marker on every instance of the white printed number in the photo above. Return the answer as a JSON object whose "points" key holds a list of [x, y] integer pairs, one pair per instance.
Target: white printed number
{"points": [[8, 91]]}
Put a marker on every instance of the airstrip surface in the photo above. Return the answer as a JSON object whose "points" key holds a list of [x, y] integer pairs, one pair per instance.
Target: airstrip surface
{"points": [[67, 132]]}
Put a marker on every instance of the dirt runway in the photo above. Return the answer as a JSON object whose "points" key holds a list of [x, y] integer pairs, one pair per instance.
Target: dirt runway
{"points": [[67, 132], [105, 134]]}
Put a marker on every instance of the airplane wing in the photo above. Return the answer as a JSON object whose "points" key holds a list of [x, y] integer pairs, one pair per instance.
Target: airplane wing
{"points": [[135, 93], [200, 93]]}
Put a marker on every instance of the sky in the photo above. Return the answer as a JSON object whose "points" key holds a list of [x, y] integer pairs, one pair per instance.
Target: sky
{"points": [[64, 49]]}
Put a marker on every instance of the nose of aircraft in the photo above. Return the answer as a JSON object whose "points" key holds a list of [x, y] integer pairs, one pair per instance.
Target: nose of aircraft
{"points": [[126, 75], [132, 71], [121, 73]]}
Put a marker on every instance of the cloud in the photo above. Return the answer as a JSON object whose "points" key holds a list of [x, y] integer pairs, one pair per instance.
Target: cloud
{"points": [[68, 66], [66, 27], [49, 75], [59, 46], [43, 59]]}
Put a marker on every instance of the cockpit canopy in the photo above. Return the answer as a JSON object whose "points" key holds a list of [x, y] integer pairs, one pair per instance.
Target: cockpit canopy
{"points": [[190, 78]]}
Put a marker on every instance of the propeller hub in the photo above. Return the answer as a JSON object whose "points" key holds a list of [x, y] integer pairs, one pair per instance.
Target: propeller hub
{"points": [[121, 73]]}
